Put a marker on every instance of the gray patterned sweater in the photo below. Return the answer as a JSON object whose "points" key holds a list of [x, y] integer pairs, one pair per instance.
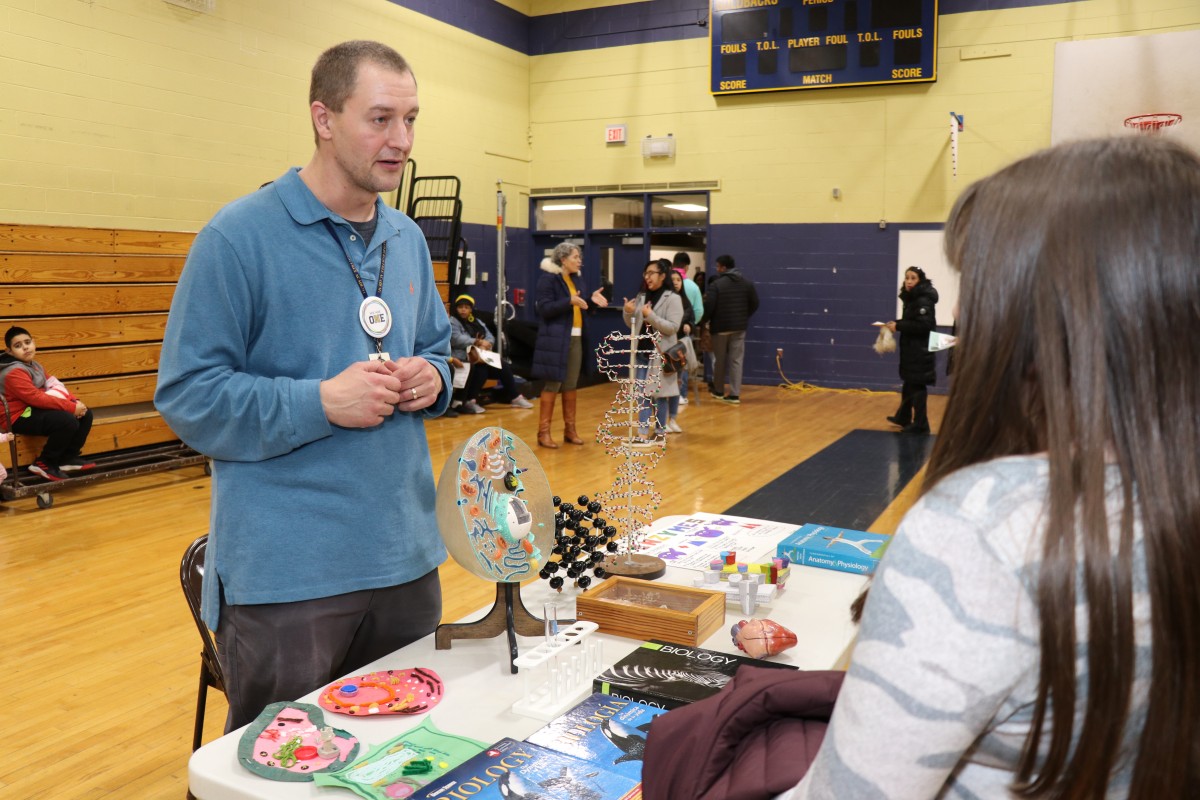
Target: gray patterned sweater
{"points": [[939, 696]]}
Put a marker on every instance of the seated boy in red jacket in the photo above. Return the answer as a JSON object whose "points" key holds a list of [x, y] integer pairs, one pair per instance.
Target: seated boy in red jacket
{"points": [[38, 405]]}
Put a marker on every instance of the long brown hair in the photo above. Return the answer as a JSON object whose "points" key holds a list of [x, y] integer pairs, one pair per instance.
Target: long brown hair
{"points": [[1079, 301]]}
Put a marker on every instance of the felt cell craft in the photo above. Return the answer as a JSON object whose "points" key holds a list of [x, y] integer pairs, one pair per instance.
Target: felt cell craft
{"points": [[393, 691], [398, 767], [290, 741]]}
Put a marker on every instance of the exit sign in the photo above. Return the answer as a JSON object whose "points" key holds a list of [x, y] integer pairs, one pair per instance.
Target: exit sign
{"points": [[615, 134]]}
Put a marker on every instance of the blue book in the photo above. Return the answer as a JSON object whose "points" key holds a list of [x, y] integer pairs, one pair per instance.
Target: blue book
{"points": [[509, 770], [605, 730], [835, 548]]}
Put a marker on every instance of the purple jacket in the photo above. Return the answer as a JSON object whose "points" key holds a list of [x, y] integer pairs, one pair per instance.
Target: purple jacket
{"points": [[751, 741]]}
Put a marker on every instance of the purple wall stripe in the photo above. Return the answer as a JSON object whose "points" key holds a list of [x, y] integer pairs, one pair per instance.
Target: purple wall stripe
{"points": [[614, 26]]}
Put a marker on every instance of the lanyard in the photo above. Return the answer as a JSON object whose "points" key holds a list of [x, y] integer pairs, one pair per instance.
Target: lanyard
{"points": [[358, 278]]}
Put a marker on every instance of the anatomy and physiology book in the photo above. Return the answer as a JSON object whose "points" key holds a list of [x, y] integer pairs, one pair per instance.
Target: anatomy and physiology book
{"points": [[834, 548]]}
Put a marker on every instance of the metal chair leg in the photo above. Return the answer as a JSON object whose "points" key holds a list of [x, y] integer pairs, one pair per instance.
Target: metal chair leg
{"points": [[201, 701]]}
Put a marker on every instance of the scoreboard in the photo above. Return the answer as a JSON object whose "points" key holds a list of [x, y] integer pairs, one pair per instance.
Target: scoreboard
{"points": [[771, 45]]}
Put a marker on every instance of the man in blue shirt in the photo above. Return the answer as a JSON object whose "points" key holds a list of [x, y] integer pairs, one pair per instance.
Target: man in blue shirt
{"points": [[306, 345]]}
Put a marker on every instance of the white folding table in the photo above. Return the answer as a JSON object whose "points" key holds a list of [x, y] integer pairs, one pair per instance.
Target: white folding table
{"points": [[480, 689]]}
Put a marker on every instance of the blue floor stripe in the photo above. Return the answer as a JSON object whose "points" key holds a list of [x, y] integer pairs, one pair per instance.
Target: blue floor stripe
{"points": [[846, 485]]}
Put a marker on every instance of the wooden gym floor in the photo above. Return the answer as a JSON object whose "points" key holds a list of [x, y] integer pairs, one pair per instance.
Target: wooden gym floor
{"points": [[100, 658]]}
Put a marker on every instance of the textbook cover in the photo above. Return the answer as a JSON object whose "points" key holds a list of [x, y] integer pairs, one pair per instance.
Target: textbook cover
{"points": [[667, 675], [523, 771], [835, 548], [605, 730]]}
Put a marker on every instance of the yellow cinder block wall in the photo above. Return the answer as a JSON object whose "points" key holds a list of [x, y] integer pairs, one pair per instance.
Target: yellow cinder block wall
{"points": [[140, 114], [779, 155], [136, 113]]}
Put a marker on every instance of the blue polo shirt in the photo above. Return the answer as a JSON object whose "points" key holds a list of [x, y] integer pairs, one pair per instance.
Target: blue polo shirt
{"points": [[266, 309]]}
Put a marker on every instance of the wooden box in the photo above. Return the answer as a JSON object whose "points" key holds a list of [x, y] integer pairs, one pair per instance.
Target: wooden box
{"points": [[643, 610]]}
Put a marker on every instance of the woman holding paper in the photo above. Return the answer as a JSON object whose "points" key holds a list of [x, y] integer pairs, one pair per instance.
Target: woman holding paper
{"points": [[918, 366], [469, 340]]}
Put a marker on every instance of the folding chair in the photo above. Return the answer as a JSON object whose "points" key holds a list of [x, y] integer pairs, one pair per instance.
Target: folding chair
{"points": [[191, 578]]}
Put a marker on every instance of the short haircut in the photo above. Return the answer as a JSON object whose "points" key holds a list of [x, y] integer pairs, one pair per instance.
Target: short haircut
{"points": [[562, 250], [336, 71], [726, 261], [682, 260], [13, 333]]}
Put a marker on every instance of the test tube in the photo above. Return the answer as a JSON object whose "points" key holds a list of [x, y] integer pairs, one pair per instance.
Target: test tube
{"points": [[550, 614]]}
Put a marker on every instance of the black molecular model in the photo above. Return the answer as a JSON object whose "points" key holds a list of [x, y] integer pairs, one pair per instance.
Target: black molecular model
{"points": [[582, 538]]}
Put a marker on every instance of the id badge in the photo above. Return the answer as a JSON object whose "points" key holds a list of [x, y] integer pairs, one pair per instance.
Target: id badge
{"points": [[378, 357]]}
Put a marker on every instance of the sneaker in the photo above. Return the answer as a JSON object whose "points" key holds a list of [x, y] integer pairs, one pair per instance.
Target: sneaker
{"points": [[716, 396], [450, 413], [732, 399], [50, 473], [673, 426], [520, 402], [471, 407], [77, 464], [683, 401], [646, 442]]}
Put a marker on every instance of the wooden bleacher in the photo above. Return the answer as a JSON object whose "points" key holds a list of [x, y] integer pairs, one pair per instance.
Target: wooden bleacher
{"points": [[96, 302]]}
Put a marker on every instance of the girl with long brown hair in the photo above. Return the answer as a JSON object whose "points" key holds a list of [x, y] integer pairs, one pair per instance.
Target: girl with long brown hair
{"points": [[1034, 630]]}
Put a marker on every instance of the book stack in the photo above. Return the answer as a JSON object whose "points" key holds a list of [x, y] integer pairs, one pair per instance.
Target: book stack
{"points": [[666, 675], [608, 731]]}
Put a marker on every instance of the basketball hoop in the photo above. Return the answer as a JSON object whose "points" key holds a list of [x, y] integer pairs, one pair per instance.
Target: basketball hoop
{"points": [[1152, 123]]}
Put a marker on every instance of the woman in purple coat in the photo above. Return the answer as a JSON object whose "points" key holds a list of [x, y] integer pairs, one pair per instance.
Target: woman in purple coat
{"points": [[558, 352]]}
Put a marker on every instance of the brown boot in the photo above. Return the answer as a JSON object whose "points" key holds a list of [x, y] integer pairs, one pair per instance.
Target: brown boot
{"points": [[569, 434], [546, 418]]}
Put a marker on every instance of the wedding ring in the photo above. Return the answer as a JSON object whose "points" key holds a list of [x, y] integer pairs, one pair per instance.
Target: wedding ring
{"points": [[414, 393]]}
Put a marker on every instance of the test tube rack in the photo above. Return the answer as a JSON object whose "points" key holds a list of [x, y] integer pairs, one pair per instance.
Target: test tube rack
{"points": [[558, 673]]}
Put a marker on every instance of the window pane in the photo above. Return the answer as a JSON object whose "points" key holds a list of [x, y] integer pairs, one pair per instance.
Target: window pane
{"points": [[559, 214], [609, 213], [679, 211]]}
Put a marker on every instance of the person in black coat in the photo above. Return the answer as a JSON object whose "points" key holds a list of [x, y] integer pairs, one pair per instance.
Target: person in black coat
{"points": [[729, 302], [918, 366], [558, 352]]}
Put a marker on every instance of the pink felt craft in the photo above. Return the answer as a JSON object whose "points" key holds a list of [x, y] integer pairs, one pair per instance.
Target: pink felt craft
{"points": [[290, 741], [393, 691]]}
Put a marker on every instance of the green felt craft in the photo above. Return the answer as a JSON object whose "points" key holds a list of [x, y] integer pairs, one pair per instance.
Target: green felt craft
{"points": [[399, 766]]}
